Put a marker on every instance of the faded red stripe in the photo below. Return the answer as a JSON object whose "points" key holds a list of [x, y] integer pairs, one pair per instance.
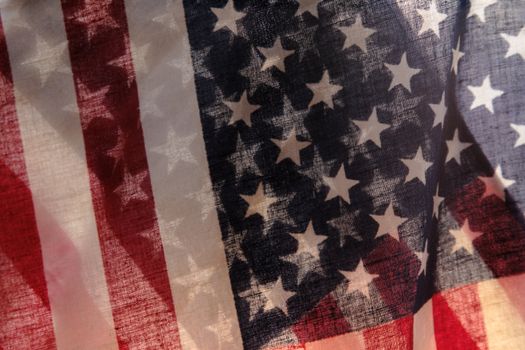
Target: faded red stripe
{"points": [[324, 321], [393, 335], [138, 284], [25, 316], [502, 245], [458, 319]]}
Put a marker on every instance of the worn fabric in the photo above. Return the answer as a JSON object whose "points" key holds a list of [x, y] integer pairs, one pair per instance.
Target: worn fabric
{"points": [[247, 174]]}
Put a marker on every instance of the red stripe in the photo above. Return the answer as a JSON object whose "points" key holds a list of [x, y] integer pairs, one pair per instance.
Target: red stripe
{"points": [[324, 321], [25, 316], [502, 244], [131, 246], [458, 319], [393, 335]]}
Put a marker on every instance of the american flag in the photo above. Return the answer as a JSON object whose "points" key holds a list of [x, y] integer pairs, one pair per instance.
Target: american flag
{"points": [[249, 174]]}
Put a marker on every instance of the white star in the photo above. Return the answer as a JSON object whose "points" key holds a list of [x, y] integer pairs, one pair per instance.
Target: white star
{"points": [[496, 184], [464, 238], [167, 17], [456, 56], [339, 185], [388, 223], [258, 203], [520, 129], [346, 226], [176, 148], [197, 279], [308, 6], [48, 59], [455, 147], [440, 110], [423, 258], [277, 297], [356, 34], [275, 55], [255, 76], [290, 148], [371, 129], [227, 17], [202, 196], [308, 241], [140, 53], [431, 19], [516, 43], [251, 295], [484, 95], [243, 158], [359, 279], [437, 200], [130, 187], [417, 167], [402, 73], [242, 110], [96, 21], [477, 7], [323, 91]]}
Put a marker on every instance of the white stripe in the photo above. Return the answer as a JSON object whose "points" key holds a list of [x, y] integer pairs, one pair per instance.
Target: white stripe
{"points": [[503, 310], [188, 221], [58, 175], [424, 334]]}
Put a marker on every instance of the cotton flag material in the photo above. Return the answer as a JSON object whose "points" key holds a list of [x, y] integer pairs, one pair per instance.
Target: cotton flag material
{"points": [[248, 174]]}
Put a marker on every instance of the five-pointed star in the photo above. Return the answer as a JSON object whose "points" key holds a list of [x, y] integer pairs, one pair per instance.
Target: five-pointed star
{"points": [[48, 58], [251, 296], [202, 196], [167, 17], [140, 53], [242, 110], [456, 56], [359, 279], [227, 17], [484, 94], [346, 226], [417, 167], [440, 110], [431, 19], [423, 258], [277, 297], [255, 76], [516, 43], [388, 223], [477, 7], [402, 73], [455, 147], [308, 6], [305, 265], [464, 238], [520, 129], [275, 55], [356, 34], [176, 148], [243, 158], [130, 187], [290, 148], [339, 185], [258, 203], [94, 15], [323, 91], [308, 241], [371, 129], [496, 184], [437, 200]]}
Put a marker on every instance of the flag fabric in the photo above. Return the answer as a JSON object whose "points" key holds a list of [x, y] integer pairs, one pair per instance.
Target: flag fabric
{"points": [[248, 174]]}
